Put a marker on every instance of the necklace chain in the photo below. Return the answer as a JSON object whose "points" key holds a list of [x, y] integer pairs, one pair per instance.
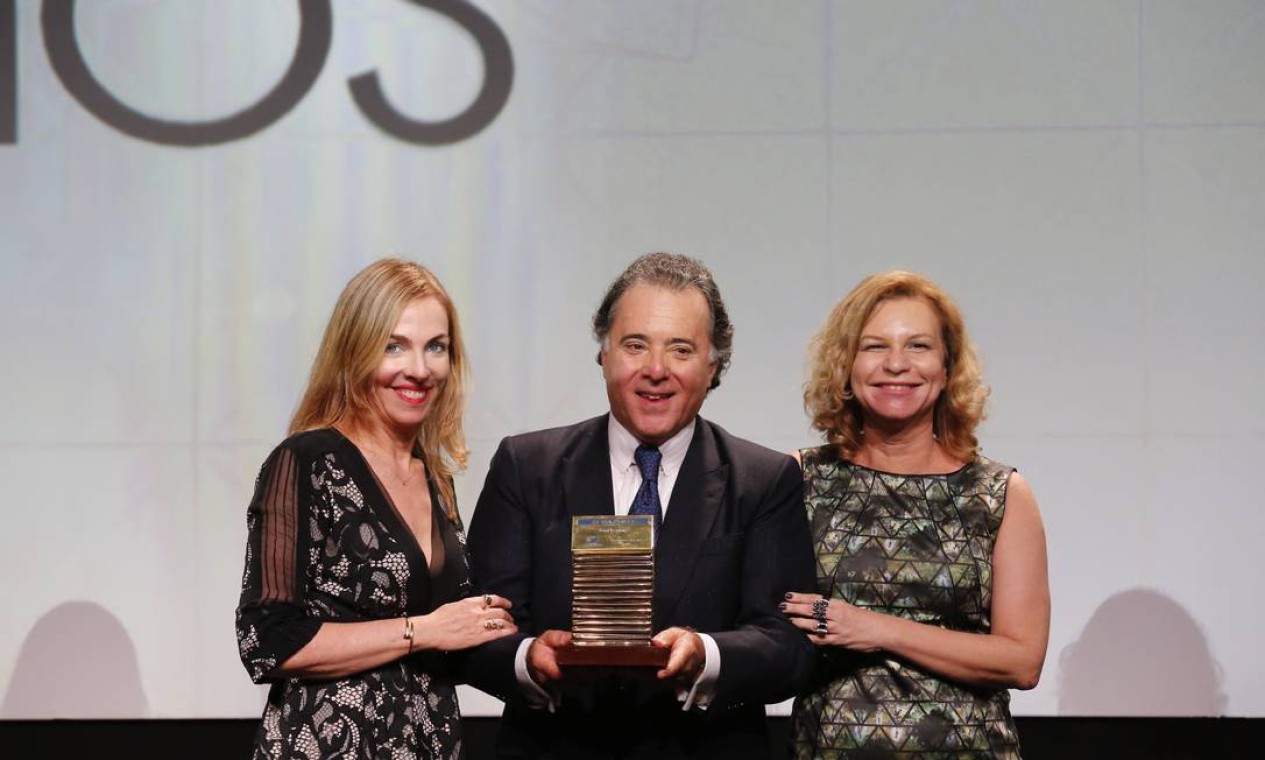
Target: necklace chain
{"points": [[388, 465], [395, 473]]}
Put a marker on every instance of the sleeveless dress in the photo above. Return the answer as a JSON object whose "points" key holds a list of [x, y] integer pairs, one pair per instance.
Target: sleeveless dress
{"points": [[325, 543], [918, 547]]}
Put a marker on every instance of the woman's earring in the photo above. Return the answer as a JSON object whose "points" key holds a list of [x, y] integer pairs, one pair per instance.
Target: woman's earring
{"points": [[847, 394]]}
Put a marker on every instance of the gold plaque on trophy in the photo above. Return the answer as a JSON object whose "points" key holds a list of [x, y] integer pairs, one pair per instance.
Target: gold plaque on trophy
{"points": [[612, 592]]}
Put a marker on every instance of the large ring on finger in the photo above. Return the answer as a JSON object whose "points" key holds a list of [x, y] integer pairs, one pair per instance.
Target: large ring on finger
{"points": [[487, 600], [819, 610], [821, 630], [491, 625]]}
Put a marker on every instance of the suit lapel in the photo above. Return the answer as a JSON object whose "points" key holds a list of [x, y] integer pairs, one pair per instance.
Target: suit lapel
{"points": [[696, 501], [586, 472]]}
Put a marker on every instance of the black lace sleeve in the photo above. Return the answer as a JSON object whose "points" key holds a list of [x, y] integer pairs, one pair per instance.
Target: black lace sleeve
{"points": [[271, 621]]}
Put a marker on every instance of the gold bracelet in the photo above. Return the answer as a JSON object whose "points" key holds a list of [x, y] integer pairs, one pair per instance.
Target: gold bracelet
{"points": [[408, 632]]}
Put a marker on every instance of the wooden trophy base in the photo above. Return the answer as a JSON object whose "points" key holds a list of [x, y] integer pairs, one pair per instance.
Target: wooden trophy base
{"points": [[612, 656]]}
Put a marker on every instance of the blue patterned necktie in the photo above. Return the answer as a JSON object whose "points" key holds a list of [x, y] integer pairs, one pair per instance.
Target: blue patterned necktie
{"points": [[647, 500]]}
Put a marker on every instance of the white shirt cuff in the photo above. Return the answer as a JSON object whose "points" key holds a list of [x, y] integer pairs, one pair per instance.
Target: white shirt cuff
{"points": [[536, 696], [700, 694]]}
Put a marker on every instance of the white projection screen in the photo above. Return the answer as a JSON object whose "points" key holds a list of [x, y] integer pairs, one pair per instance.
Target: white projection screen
{"points": [[1086, 177]]}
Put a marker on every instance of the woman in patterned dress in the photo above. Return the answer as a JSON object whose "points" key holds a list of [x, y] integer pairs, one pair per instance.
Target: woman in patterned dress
{"points": [[355, 585], [932, 598]]}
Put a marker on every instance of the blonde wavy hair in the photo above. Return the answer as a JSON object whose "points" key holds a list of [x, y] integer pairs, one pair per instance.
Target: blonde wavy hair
{"points": [[340, 387], [828, 396]]}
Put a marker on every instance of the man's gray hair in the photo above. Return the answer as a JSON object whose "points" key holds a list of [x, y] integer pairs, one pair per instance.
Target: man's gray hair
{"points": [[674, 272]]}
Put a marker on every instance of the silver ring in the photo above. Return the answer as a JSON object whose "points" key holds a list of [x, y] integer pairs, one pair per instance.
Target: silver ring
{"points": [[820, 630], [819, 609], [487, 600]]}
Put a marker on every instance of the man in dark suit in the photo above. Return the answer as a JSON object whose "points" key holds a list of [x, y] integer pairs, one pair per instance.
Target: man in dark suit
{"points": [[733, 538]]}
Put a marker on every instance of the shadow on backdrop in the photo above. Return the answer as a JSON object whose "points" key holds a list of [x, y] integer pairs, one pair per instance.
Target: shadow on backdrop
{"points": [[76, 662], [1141, 654]]}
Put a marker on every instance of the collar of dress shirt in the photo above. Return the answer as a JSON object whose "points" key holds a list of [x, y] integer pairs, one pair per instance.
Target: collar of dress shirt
{"points": [[622, 444]]}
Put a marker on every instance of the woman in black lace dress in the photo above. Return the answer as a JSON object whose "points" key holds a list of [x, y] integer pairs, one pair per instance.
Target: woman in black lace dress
{"points": [[932, 599], [355, 586]]}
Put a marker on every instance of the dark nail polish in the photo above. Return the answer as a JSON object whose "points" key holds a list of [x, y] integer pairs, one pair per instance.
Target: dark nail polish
{"points": [[788, 595]]}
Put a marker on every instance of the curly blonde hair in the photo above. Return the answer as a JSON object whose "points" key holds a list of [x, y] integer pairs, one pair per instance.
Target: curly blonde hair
{"points": [[828, 397], [340, 387]]}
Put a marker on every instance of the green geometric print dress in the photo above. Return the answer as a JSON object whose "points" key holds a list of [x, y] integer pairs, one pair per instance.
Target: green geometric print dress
{"points": [[918, 547]]}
